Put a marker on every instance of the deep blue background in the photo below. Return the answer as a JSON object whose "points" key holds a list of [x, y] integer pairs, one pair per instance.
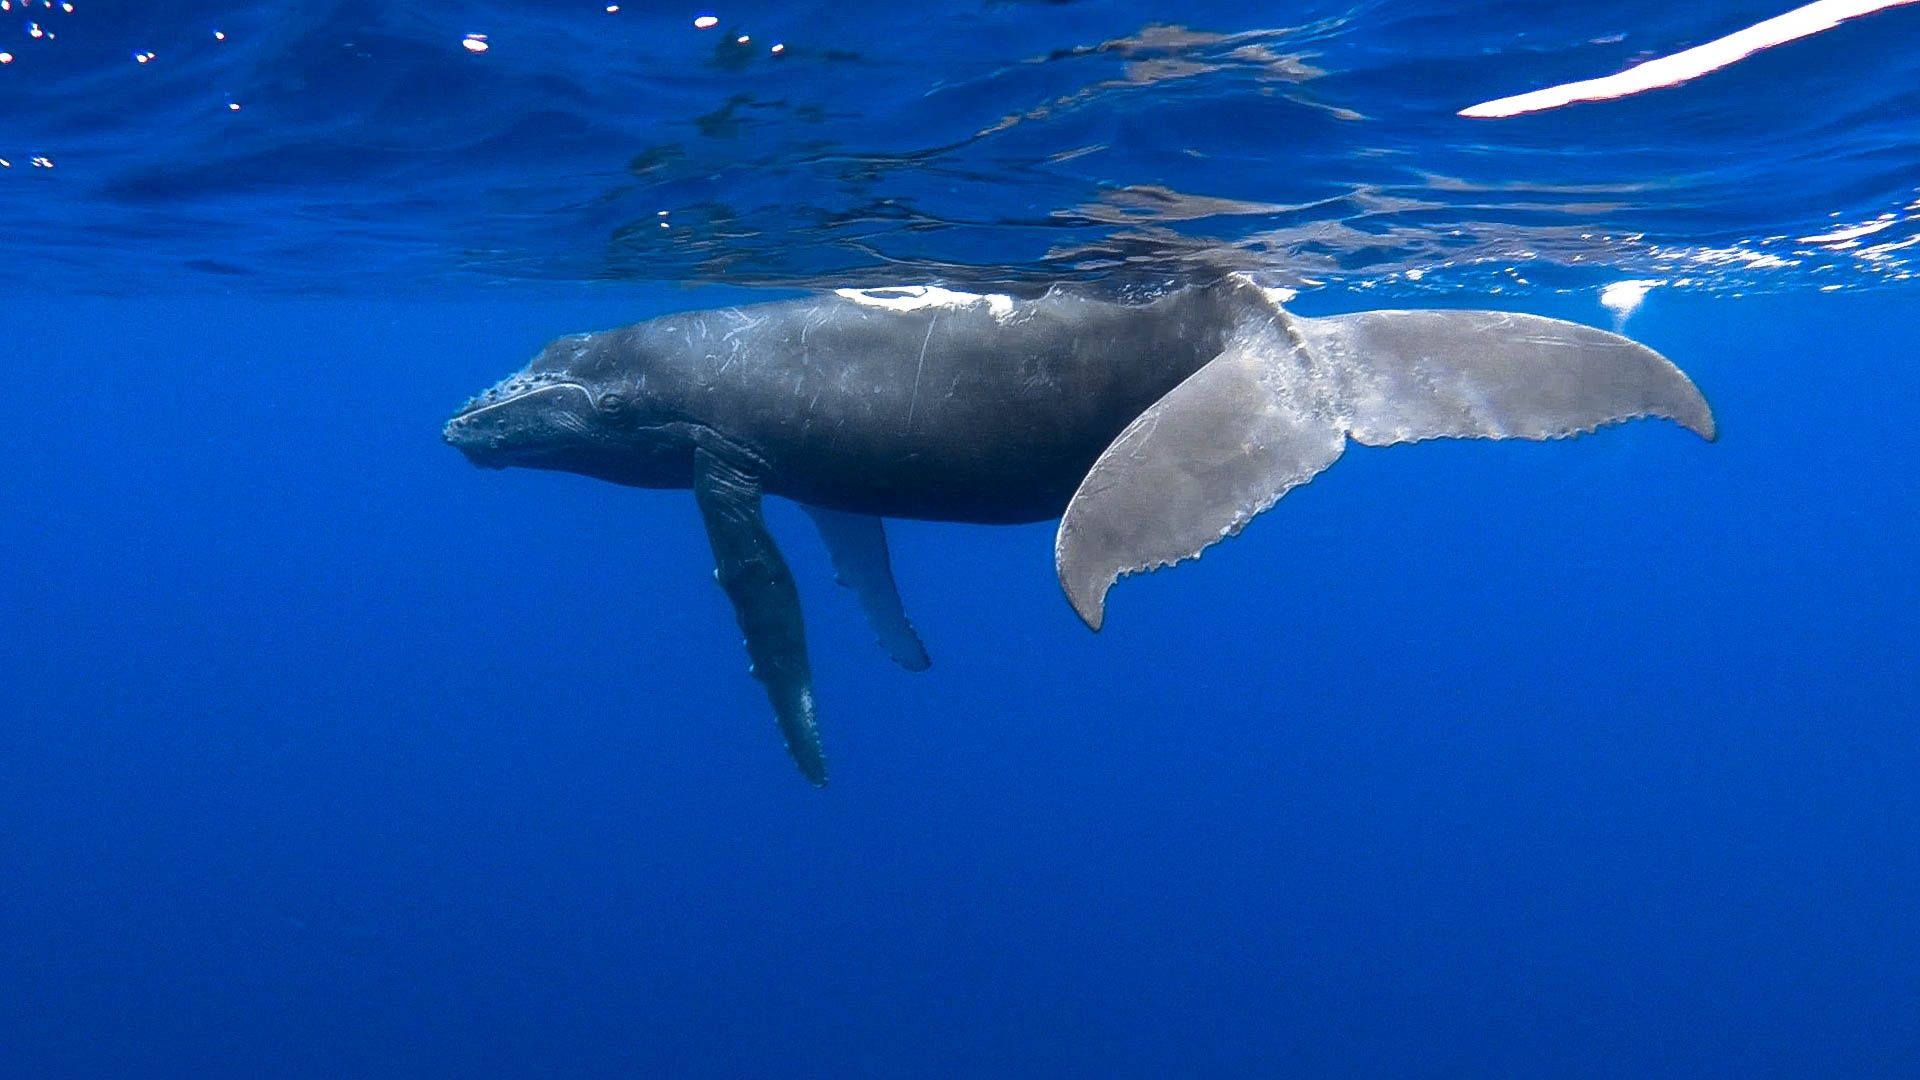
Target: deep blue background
{"points": [[328, 755], [323, 754]]}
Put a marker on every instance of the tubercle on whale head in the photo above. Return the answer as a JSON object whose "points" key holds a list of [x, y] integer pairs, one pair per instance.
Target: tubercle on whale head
{"points": [[516, 385], [520, 421], [532, 415], [582, 406]]}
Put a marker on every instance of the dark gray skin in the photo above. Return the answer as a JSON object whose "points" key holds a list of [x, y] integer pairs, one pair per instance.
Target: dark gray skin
{"points": [[941, 413], [1152, 430]]}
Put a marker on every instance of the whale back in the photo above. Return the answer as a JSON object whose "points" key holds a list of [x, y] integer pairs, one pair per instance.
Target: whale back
{"points": [[972, 408]]}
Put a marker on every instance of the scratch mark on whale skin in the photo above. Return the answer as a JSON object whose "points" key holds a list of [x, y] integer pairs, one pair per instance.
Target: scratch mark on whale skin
{"points": [[919, 369]]}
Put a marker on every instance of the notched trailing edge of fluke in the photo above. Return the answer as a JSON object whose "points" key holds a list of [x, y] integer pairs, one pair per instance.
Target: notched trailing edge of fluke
{"points": [[1088, 595]]}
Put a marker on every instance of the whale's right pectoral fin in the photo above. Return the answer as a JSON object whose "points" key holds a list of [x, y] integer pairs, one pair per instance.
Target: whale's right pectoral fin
{"points": [[749, 567], [858, 545], [1278, 405]]}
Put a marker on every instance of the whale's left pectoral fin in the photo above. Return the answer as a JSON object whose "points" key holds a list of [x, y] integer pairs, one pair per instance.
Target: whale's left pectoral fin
{"points": [[858, 545], [748, 566]]}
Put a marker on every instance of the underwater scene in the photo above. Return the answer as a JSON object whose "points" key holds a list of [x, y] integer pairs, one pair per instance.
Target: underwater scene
{"points": [[1054, 538]]}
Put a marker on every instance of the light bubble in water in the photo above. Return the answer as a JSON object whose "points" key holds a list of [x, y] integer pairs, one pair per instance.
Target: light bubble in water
{"points": [[1623, 297]]}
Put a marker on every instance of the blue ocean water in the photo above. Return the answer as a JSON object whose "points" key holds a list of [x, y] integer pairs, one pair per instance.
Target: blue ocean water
{"points": [[324, 754]]}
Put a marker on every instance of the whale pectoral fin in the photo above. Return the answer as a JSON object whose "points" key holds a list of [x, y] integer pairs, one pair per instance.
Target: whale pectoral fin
{"points": [[1192, 470], [1411, 375], [748, 566], [858, 545], [1277, 405]]}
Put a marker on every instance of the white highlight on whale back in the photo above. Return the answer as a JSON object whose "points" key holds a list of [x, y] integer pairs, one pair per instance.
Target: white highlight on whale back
{"points": [[917, 297], [1688, 63], [1277, 295]]}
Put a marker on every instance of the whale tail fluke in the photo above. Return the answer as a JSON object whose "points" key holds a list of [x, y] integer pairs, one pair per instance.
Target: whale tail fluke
{"points": [[1281, 400], [1494, 375]]}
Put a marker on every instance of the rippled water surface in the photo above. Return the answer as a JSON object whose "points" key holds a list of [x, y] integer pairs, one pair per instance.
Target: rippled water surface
{"points": [[336, 146]]}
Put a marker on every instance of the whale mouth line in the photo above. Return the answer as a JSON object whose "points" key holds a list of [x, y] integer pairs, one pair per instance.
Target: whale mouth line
{"points": [[512, 391]]}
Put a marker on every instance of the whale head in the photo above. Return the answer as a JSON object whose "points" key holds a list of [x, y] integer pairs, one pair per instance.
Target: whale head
{"points": [[577, 407]]}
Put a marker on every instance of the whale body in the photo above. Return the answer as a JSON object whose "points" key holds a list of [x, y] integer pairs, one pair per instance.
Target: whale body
{"points": [[1151, 430]]}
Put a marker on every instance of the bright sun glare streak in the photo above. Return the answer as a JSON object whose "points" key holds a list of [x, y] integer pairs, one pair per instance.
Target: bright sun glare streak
{"points": [[1689, 63], [1852, 233]]}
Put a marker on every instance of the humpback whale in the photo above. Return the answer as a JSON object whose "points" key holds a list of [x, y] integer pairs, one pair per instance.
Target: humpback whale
{"points": [[1151, 430]]}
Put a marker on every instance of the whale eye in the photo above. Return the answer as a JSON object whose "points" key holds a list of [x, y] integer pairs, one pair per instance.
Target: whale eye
{"points": [[613, 401]]}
